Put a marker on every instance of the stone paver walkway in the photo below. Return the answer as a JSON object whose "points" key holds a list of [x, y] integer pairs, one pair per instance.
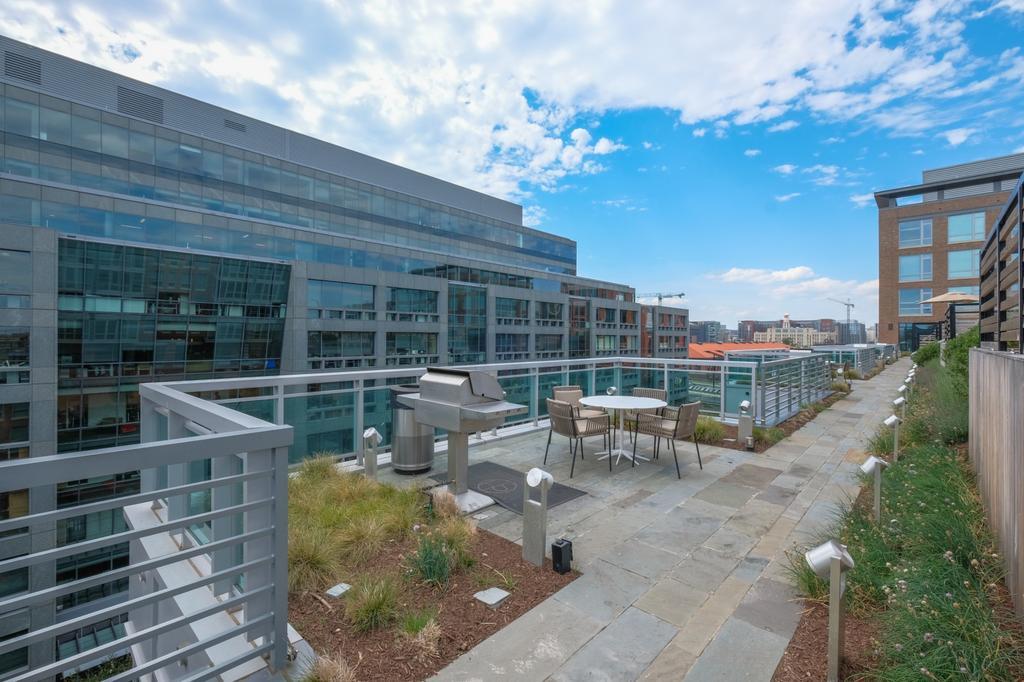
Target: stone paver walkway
{"points": [[681, 579]]}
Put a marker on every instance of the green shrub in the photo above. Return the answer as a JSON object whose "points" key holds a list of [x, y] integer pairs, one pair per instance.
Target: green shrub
{"points": [[414, 621], [956, 354], [458, 534], [371, 604], [768, 437], [434, 560], [880, 444], [840, 387], [853, 373], [929, 351], [313, 557], [708, 430]]}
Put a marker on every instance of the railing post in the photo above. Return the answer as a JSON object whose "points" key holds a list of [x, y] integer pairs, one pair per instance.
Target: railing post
{"points": [[721, 392], [358, 421], [279, 403], [535, 377], [222, 497], [280, 549], [177, 474], [257, 519]]}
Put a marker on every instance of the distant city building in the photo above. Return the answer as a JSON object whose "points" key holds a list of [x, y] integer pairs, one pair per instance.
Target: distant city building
{"points": [[798, 337], [929, 242], [854, 332], [707, 332], [748, 328], [873, 333], [672, 328]]}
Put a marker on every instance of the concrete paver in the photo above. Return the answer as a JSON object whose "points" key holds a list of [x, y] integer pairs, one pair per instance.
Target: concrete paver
{"points": [[681, 578]]}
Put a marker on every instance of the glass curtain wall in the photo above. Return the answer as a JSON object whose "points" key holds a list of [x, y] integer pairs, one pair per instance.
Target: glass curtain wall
{"points": [[467, 324]]}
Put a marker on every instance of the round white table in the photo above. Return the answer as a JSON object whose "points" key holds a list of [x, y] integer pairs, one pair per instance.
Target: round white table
{"points": [[616, 404]]}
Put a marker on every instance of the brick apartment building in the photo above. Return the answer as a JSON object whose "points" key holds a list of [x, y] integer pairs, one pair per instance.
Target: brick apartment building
{"points": [[929, 239]]}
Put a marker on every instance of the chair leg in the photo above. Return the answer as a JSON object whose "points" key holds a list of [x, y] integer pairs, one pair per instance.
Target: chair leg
{"points": [[701, 464], [679, 475], [547, 448]]}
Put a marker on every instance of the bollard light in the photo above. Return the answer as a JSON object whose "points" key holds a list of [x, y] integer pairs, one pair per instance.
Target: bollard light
{"points": [[893, 422], [901, 403], [745, 426], [535, 515], [611, 390], [831, 560], [873, 466], [371, 440]]}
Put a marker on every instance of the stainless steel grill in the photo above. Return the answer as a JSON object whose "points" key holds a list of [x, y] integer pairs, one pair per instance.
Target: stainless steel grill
{"points": [[460, 402]]}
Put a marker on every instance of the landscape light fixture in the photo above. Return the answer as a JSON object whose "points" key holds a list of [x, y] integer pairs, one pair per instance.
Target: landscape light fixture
{"points": [[611, 390], [535, 515], [873, 466], [371, 440], [745, 426], [901, 403], [831, 560], [893, 422]]}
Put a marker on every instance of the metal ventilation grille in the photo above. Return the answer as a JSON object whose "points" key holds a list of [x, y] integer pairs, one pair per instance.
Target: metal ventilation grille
{"points": [[140, 105], [23, 68], [234, 125]]}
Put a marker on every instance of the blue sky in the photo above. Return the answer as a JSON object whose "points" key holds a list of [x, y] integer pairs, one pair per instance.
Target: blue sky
{"points": [[728, 150]]}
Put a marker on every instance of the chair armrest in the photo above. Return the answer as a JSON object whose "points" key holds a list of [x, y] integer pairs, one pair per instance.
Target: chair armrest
{"points": [[645, 417]]}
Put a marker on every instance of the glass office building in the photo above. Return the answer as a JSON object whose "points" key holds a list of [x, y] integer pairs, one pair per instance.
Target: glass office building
{"points": [[147, 236]]}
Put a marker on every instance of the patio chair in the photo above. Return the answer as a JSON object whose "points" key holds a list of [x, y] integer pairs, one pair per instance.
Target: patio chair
{"points": [[681, 426], [630, 415], [572, 395], [565, 423]]}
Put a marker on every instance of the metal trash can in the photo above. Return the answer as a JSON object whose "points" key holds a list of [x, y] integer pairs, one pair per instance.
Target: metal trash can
{"points": [[412, 443]]}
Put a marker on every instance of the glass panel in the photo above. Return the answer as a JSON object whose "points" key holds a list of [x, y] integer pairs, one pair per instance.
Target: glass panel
{"points": [[916, 268], [966, 227], [916, 232], [963, 264]]}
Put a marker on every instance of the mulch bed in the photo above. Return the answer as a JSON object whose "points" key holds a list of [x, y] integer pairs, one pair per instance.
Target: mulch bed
{"points": [[806, 657], [788, 427], [384, 654]]}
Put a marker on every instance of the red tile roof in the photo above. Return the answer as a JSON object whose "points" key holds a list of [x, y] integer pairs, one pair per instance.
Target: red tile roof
{"points": [[717, 351]]}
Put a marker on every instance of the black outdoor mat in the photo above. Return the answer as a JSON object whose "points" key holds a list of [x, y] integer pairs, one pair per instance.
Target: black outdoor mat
{"points": [[505, 485]]}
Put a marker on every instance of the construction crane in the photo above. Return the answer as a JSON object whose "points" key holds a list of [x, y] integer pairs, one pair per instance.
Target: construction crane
{"points": [[654, 318], [849, 306]]}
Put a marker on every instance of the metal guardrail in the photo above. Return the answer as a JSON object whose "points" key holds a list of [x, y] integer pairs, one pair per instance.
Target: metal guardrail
{"points": [[183, 620], [186, 571]]}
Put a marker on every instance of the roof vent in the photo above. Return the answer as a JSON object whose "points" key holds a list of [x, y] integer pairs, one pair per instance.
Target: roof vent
{"points": [[140, 105], [23, 68], [234, 125]]}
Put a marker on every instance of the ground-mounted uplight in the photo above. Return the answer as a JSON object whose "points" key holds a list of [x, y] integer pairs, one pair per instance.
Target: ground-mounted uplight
{"points": [[745, 426], [371, 441], [873, 466], [901, 403], [831, 561], [535, 515], [893, 422]]}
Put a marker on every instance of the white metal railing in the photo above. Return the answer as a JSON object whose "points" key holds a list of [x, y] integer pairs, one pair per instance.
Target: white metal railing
{"points": [[184, 622], [198, 605]]}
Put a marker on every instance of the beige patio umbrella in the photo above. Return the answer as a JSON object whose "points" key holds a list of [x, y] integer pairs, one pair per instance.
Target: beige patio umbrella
{"points": [[953, 297]]}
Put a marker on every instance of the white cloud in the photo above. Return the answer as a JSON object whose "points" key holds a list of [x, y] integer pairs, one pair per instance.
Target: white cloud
{"points": [[862, 200], [825, 174], [624, 203], [647, 144], [785, 169], [957, 136], [918, 152], [533, 215], [765, 276], [783, 198], [490, 94], [752, 152], [832, 140]]}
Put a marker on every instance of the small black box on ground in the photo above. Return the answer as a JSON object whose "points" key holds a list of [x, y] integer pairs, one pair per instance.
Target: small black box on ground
{"points": [[561, 555]]}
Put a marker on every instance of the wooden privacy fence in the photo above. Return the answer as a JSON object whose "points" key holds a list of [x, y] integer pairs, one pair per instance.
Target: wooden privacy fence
{"points": [[997, 453]]}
